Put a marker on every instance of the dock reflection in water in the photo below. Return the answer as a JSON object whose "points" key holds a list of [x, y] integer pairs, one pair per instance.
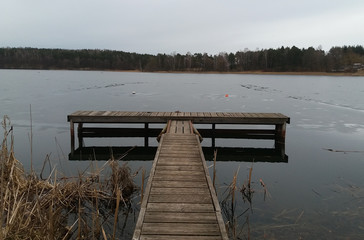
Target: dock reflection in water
{"points": [[272, 155]]}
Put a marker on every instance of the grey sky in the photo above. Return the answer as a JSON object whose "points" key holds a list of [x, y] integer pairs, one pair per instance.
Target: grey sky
{"points": [[166, 26]]}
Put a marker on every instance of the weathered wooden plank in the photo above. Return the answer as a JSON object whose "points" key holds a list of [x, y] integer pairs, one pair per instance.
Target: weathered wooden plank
{"points": [[172, 151], [179, 184], [213, 114], [113, 114], [181, 141], [160, 217], [179, 178], [166, 162], [132, 114], [208, 114], [178, 139], [156, 190], [178, 148], [181, 228], [172, 147], [77, 113], [179, 163], [176, 155], [177, 152], [139, 224], [178, 158], [180, 173], [106, 113], [180, 207], [175, 149], [193, 114], [177, 237], [180, 198], [179, 127], [179, 136], [179, 168]]}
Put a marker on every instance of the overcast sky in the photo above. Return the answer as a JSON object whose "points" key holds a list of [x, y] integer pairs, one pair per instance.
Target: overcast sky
{"points": [[181, 26]]}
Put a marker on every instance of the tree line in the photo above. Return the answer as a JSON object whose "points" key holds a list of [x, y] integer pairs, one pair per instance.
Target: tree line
{"points": [[284, 59]]}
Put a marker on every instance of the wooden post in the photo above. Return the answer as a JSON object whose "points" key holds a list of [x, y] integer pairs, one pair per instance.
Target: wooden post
{"points": [[80, 136], [72, 129], [213, 135], [146, 136], [280, 137]]}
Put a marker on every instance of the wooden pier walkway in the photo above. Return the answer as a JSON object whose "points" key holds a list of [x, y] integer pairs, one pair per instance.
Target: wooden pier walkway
{"points": [[180, 201]]}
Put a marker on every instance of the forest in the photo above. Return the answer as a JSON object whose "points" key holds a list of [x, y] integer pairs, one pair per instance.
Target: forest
{"points": [[284, 59]]}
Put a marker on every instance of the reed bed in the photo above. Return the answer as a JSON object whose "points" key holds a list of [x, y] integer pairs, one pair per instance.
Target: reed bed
{"points": [[233, 215], [82, 207]]}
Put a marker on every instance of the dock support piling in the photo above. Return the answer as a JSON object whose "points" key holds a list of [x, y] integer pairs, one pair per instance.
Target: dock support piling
{"points": [[80, 134], [213, 135], [146, 139], [280, 133], [280, 139], [72, 129]]}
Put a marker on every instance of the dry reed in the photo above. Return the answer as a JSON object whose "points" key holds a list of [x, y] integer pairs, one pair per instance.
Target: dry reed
{"points": [[233, 214], [228, 208], [60, 208]]}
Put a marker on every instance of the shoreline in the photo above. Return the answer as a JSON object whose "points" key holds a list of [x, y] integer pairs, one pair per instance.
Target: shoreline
{"points": [[356, 74], [343, 74]]}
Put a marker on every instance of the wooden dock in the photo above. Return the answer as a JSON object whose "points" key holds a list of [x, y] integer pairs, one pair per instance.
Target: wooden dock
{"points": [[180, 201], [216, 119]]}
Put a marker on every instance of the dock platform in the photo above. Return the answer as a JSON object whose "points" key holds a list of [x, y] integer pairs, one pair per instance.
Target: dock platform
{"points": [[277, 132]]}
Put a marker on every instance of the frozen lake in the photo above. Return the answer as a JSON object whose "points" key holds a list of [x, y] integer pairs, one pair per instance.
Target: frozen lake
{"points": [[318, 194]]}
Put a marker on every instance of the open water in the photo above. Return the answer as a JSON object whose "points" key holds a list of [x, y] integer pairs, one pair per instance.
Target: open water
{"points": [[317, 194]]}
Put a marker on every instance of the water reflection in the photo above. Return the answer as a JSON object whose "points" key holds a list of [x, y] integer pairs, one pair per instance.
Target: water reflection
{"points": [[226, 154]]}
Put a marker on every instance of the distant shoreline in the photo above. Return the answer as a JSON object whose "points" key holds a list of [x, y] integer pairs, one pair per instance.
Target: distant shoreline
{"points": [[346, 74], [361, 73]]}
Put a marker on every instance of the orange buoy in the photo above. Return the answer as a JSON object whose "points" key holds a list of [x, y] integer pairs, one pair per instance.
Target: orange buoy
{"points": [[226, 95]]}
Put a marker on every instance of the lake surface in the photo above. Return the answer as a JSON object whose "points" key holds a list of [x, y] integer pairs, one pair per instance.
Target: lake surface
{"points": [[318, 194]]}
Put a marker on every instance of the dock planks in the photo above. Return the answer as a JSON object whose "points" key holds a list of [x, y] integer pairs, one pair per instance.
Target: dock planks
{"points": [[163, 117], [180, 201]]}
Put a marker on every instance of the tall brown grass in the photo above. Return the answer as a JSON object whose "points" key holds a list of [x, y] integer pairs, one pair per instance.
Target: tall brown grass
{"points": [[232, 214], [82, 207]]}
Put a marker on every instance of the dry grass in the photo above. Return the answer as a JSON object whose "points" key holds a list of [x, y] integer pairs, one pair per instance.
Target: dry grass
{"points": [[83, 207]]}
